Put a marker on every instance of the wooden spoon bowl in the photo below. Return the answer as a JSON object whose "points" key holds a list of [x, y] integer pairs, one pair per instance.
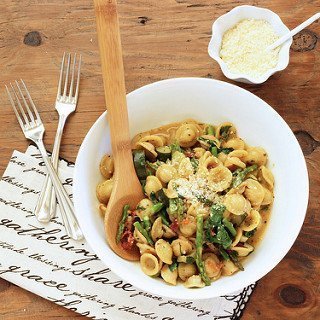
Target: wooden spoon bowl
{"points": [[127, 188]]}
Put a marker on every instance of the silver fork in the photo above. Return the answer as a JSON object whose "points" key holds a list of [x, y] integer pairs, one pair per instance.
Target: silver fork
{"points": [[66, 103], [33, 129]]}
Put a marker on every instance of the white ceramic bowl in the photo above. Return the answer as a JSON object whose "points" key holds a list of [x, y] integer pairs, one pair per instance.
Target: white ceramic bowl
{"points": [[214, 102], [229, 20]]}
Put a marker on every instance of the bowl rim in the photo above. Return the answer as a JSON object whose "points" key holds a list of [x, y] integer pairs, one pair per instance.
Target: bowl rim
{"points": [[193, 294], [238, 76]]}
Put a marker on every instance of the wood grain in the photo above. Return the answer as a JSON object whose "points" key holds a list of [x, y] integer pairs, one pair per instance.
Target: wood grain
{"points": [[162, 40]]}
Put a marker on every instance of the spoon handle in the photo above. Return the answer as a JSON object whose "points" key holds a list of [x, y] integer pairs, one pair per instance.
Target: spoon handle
{"points": [[294, 31], [126, 188], [113, 75]]}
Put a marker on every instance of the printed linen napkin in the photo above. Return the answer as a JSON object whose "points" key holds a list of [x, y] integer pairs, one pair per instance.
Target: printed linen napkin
{"points": [[41, 258]]}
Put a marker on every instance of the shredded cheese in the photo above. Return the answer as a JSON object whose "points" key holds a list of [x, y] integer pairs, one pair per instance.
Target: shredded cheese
{"points": [[196, 189], [243, 48]]}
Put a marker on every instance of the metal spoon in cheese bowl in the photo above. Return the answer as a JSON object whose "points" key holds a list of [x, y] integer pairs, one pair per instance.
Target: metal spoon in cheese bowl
{"points": [[127, 188]]}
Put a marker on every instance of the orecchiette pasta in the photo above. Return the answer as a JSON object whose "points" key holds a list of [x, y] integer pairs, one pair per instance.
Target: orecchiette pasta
{"points": [[243, 251], [181, 247], [139, 237], [149, 149], [199, 152], [176, 158], [225, 131], [107, 166], [237, 204], [237, 237], [243, 239], [102, 209], [164, 251], [168, 233], [188, 226], [219, 178], [206, 140], [268, 197], [203, 161], [155, 140], [185, 168], [222, 157], [192, 210], [153, 184], [186, 270], [157, 229], [236, 159], [145, 248], [168, 275], [206, 192], [150, 265], [234, 143], [194, 281], [228, 268], [256, 155], [171, 191], [254, 192], [212, 265], [207, 163], [186, 259], [143, 208], [252, 221], [266, 177], [104, 190], [166, 172], [187, 134]]}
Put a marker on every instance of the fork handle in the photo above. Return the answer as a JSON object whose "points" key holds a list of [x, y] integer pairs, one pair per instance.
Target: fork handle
{"points": [[46, 206], [55, 162], [66, 207]]}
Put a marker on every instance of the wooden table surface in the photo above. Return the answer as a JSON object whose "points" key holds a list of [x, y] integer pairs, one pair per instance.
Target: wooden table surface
{"points": [[162, 39]]}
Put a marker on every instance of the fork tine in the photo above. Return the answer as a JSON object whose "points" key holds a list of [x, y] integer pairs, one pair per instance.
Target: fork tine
{"points": [[19, 105], [25, 102], [31, 101], [67, 76], [72, 77], [61, 74], [15, 109], [78, 79]]}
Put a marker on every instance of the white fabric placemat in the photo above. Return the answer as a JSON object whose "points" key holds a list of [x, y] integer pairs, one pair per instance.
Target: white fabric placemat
{"points": [[42, 259]]}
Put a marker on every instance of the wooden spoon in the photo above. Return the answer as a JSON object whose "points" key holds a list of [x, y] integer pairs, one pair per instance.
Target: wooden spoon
{"points": [[127, 188]]}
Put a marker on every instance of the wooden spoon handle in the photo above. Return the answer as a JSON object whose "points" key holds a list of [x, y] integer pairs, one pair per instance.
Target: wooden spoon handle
{"points": [[113, 74], [126, 188]]}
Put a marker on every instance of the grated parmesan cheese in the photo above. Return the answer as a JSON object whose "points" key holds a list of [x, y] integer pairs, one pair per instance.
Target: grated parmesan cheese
{"points": [[195, 188], [243, 48]]}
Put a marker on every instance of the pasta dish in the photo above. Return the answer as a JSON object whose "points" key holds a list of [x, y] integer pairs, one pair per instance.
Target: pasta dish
{"points": [[207, 201]]}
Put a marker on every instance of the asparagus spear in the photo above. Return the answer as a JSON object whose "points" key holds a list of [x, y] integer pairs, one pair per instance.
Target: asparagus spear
{"points": [[210, 130], [199, 244], [146, 219], [240, 174], [143, 232], [164, 218], [156, 208], [122, 223], [175, 147], [214, 151], [146, 223], [229, 226], [224, 132], [173, 266]]}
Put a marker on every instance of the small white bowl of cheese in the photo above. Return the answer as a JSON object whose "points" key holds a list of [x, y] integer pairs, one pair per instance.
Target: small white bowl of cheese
{"points": [[239, 41]]}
